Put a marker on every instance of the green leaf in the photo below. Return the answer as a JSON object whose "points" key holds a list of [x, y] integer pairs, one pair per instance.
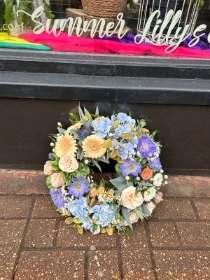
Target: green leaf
{"points": [[119, 183], [9, 14], [143, 161], [48, 183], [125, 214], [61, 130], [87, 124], [127, 231], [153, 134], [75, 116], [117, 168]]}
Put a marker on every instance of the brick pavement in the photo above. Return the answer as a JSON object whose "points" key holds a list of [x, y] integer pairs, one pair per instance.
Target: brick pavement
{"points": [[36, 244]]}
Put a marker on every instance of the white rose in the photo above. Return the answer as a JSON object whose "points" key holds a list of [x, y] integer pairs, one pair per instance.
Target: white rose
{"points": [[68, 164], [130, 199], [149, 193], [158, 179]]}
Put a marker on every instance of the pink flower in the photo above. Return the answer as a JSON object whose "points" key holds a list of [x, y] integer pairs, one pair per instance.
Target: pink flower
{"points": [[146, 174], [48, 168], [133, 217], [150, 206], [68, 164], [130, 199], [57, 180], [157, 200]]}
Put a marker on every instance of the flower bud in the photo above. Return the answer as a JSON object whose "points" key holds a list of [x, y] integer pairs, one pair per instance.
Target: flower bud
{"points": [[165, 182], [52, 144], [58, 123], [166, 176], [137, 179], [161, 171], [86, 161], [127, 178]]}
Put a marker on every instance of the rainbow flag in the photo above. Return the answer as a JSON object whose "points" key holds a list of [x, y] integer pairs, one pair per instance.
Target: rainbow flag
{"points": [[7, 41]]}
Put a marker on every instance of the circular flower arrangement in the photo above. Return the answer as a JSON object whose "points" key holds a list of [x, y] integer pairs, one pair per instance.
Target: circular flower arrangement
{"points": [[111, 204]]}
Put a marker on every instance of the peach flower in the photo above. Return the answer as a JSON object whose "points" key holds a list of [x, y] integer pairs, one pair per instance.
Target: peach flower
{"points": [[146, 174], [157, 200], [57, 180], [48, 168], [133, 217], [68, 164], [130, 199], [150, 206]]}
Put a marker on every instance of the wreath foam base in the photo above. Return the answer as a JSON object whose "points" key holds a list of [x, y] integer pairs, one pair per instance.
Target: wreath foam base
{"points": [[104, 206]]}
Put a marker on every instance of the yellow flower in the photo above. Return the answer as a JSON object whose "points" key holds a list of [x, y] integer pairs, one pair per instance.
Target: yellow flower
{"points": [[92, 147], [75, 126], [65, 146]]}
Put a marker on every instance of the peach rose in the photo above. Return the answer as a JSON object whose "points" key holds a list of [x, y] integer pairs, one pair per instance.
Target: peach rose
{"points": [[48, 168], [150, 206], [57, 180], [146, 174], [132, 217], [157, 200], [68, 164], [129, 198]]}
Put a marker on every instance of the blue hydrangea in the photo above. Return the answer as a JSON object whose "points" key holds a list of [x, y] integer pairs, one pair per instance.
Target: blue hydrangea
{"points": [[124, 118], [104, 214], [102, 126], [129, 167], [146, 146], [80, 209], [57, 197], [125, 151], [155, 164], [121, 129]]}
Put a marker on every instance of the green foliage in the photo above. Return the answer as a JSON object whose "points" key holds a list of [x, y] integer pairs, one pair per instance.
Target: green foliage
{"points": [[127, 231], [125, 214], [9, 14], [47, 10], [48, 183], [2, 9]]}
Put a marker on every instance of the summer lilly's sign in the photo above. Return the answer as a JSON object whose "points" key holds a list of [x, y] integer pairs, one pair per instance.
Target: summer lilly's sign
{"points": [[171, 39]]}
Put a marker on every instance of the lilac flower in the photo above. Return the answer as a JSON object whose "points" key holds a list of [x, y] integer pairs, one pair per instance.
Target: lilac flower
{"points": [[146, 146], [130, 167], [57, 197], [79, 187], [83, 133], [155, 164]]}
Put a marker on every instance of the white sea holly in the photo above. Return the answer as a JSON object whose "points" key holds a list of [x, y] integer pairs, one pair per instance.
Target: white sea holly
{"points": [[158, 179], [149, 194]]}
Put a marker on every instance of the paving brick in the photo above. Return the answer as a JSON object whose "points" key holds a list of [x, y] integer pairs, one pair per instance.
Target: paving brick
{"points": [[51, 265], [172, 265], [103, 265], [44, 207], [11, 233], [163, 234], [198, 262], [10, 239], [194, 234], [40, 233], [203, 207], [68, 237], [190, 186], [22, 182], [14, 206], [174, 208], [137, 264], [138, 237]]}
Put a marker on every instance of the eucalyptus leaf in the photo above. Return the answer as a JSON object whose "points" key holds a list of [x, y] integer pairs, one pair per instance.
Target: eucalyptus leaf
{"points": [[87, 124], [51, 156], [96, 164], [125, 214], [81, 114], [97, 111], [81, 156], [61, 130], [79, 151], [145, 210], [158, 197], [103, 159]]}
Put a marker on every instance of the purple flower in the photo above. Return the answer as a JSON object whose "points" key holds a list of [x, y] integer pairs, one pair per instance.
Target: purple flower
{"points": [[155, 164], [57, 197], [129, 167], [83, 133], [79, 187], [146, 146]]}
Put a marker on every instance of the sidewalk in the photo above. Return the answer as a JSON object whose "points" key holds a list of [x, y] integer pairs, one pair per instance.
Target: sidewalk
{"points": [[36, 244]]}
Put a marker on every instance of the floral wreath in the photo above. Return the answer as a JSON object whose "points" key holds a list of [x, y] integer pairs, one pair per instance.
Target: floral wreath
{"points": [[110, 204]]}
